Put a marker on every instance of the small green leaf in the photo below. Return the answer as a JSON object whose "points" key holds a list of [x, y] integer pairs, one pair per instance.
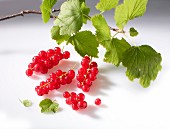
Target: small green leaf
{"points": [[26, 102], [71, 17], [85, 11], [105, 5], [129, 10], [142, 62], [85, 43], [115, 51], [133, 32], [46, 7], [55, 34], [102, 28], [48, 105]]}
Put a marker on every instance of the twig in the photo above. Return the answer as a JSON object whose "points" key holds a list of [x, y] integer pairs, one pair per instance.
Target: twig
{"points": [[22, 13]]}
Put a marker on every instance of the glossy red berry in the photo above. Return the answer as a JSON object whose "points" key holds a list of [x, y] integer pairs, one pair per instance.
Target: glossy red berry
{"points": [[98, 101], [66, 55], [74, 106], [57, 50], [42, 54], [29, 72], [66, 94], [71, 74], [85, 88], [80, 97]]}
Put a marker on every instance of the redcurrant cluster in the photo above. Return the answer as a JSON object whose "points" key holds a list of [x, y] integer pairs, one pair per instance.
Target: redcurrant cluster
{"points": [[86, 74], [55, 81], [46, 60], [75, 100]]}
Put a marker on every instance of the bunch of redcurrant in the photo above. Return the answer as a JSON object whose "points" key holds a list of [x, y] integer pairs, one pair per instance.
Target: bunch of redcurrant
{"points": [[46, 60], [86, 74], [55, 81], [75, 100]]}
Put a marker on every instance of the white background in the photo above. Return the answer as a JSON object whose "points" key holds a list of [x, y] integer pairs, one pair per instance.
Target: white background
{"points": [[125, 104]]}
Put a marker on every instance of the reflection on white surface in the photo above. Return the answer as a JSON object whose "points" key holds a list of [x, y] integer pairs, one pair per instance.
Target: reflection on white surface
{"points": [[7, 122]]}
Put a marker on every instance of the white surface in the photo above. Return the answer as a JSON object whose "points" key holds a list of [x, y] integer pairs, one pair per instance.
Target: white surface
{"points": [[125, 104]]}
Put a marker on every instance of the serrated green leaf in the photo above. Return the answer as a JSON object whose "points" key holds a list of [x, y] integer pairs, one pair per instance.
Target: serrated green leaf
{"points": [[85, 43], [133, 32], [115, 51], [55, 34], [129, 10], [71, 17], [46, 7], [48, 105], [102, 28], [26, 102], [142, 62], [105, 5]]}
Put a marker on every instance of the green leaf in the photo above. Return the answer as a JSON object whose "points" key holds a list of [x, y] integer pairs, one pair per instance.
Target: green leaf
{"points": [[133, 32], [71, 17], [48, 105], [114, 53], [85, 43], [142, 62], [55, 34], [129, 10], [26, 102], [85, 11], [102, 28], [105, 5], [46, 7]]}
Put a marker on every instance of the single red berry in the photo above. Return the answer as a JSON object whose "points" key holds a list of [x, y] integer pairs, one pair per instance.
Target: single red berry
{"points": [[80, 78], [82, 104], [62, 80], [29, 72], [57, 50], [66, 94], [94, 70], [92, 76], [55, 60], [48, 63], [50, 52], [36, 59], [68, 101], [82, 71], [98, 101], [71, 74], [68, 79], [42, 54], [38, 67], [44, 70], [31, 65], [87, 57], [74, 106], [93, 64], [79, 84], [80, 97], [88, 82], [85, 88], [66, 55], [59, 72], [60, 56], [85, 63]]}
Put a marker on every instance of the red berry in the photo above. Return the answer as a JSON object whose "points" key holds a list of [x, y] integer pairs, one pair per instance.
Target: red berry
{"points": [[68, 101], [94, 70], [42, 54], [60, 56], [93, 64], [85, 63], [48, 63], [87, 57], [88, 82], [31, 65], [98, 101], [92, 76], [38, 67], [68, 79], [82, 104], [82, 71], [36, 59], [29, 72], [55, 60], [74, 106], [79, 84], [71, 74], [80, 97], [66, 55], [85, 88], [66, 94], [44, 70], [57, 50], [80, 78], [59, 73], [50, 52]]}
